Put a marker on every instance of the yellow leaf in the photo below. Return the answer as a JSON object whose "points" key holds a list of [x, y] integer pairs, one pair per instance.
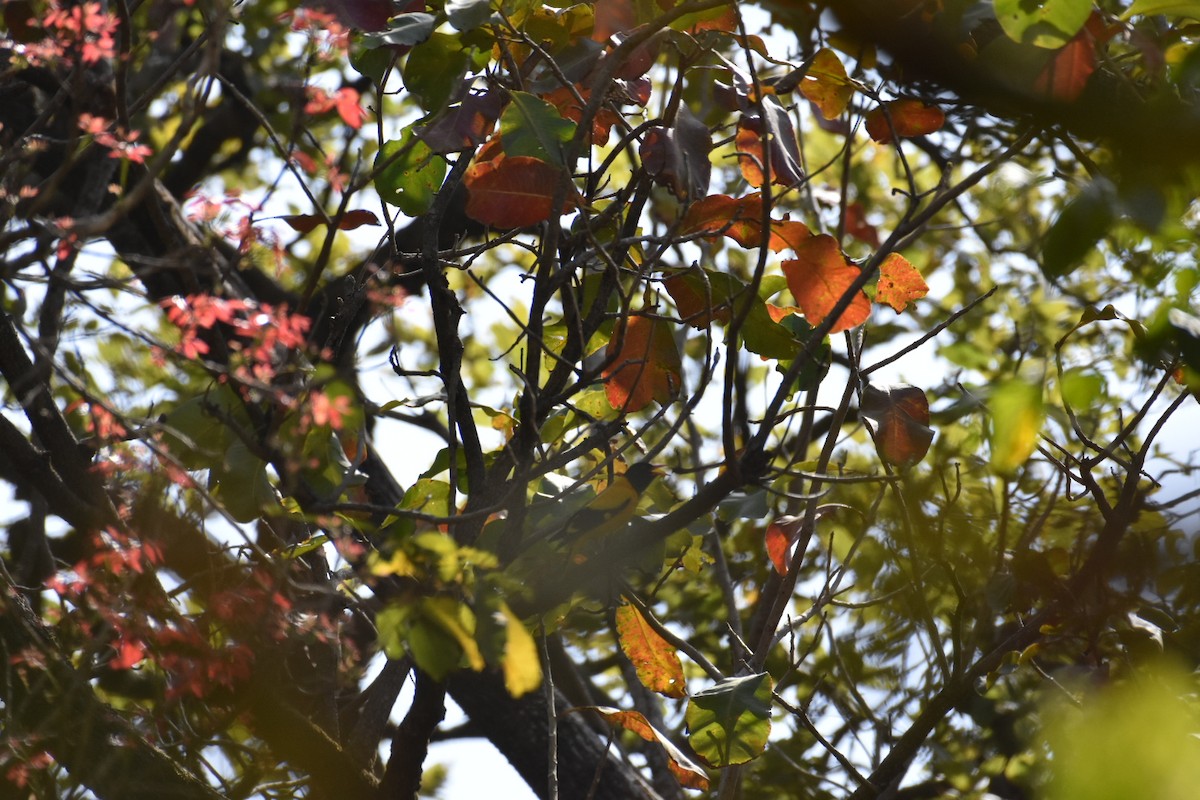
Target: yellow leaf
{"points": [[654, 659], [522, 670]]}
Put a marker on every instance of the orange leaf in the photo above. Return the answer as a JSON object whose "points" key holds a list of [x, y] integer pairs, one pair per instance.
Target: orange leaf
{"points": [[779, 313], [909, 117], [683, 768], [346, 101], [741, 220], [781, 535], [899, 416], [511, 192], [654, 659], [819, 276], [773, 126], [826, 85], [643, 365], [899, 283]]}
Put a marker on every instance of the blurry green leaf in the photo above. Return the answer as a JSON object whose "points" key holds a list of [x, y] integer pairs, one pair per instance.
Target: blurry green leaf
{"points": [[434, 69], [1172, 8], [1048, 23], [243, 486], [1078, 228], [411, 181], [532, 127], [729, 723], [1017, 414], [467, 15], [1081, 388]]}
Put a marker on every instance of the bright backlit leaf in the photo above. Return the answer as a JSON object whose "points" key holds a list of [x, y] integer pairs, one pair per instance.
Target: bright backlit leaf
{"points": [[729, 723], [908, 117], [643, 365], [653, 658], [781, 535], [826, 85], [819, 276], [1170, 8], [899, 283], [522, 667], [1016, 414], [1047, 23]]}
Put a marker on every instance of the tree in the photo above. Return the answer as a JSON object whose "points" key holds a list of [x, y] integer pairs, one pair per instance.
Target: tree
{"points": [[255, 254]]}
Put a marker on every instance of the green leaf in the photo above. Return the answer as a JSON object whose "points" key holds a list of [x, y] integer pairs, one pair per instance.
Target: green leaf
{"points": [[1081, 387], [1017, 414], [405, 29], [532, 127], [1078, 228], [466, 15], [729, 723], [434, 70], [1048, 23], [243, 487], [412, 179], [1171, 8]]}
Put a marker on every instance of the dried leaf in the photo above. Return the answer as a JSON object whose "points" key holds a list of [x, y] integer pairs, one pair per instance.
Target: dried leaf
{"points": [[899, 283], [643, 365], [819, 276], [654, 659], [306, 223], [677, 157]]}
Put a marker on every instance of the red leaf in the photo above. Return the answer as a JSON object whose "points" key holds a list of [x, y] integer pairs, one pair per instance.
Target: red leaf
{"points": [[1068, 71], [512, 192], [909, 117], [643, 365], [781, 535], [900, 419], [129, 654], [818, 277], [899, 283], [346, 101]]}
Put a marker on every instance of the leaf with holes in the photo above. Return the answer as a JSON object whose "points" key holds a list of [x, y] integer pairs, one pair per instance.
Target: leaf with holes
{"points": [[653, 658], [819, 276], [511, 191], [899, 283], [643, 365], [899, 418]]}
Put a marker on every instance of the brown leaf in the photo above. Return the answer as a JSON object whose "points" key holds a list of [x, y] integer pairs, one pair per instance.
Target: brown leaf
{"points": [[643, 365], [511, 192], [899, 283], [464, 126], [653, 658], [819, 276], [775, 126], [899, 416], [306, 223], [741, 220], [677, 157], [909, 117]]}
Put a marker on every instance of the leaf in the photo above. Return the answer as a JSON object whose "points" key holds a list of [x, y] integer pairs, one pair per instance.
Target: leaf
{"points": [[522, 667], [899, 283], [643, 365], [1078, 228], [687, 772], [1066, 73], [729, 723], [410, 176], [1016, 414], [467, 15], [1046, 23], [512, 191], [404, 29], [741, 220], [826, 85], [532, 127], [305, 223], [465, 125], [856, 225], [909, 117], [434, 70], [677, 157], [781, 535], [702, 296], [1170, 8], [776, 128], [564, 100], [653, 658], [819, 276], [899, 416]]}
